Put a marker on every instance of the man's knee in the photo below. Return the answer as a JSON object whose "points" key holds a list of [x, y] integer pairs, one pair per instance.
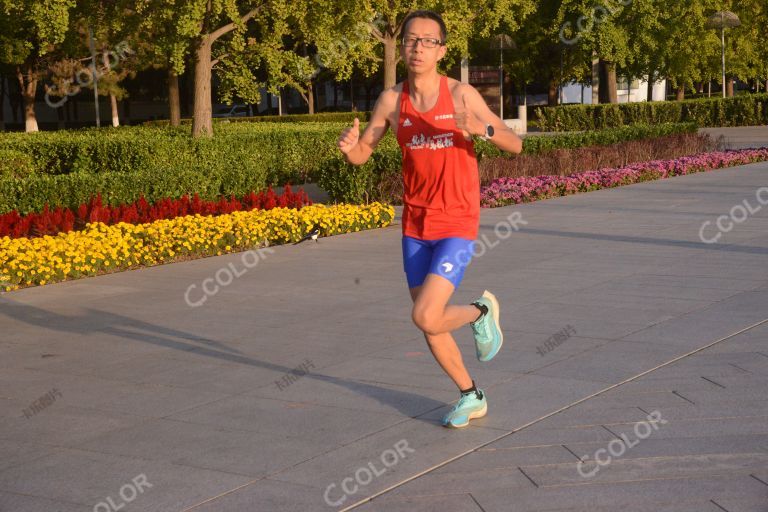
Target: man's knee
{"points": [[425, 319]]}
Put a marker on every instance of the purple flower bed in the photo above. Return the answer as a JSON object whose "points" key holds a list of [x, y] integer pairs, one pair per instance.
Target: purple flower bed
{"points": [[506, 191]]}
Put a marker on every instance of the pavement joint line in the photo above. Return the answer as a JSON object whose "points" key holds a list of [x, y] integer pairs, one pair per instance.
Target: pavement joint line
{"points": [[718, 505], [676, 393], [528, 477], [758, 479], [713, 382], [611, 431], [739, 368], [650, 479], [571, 452], [476, 503], [542, 418]]}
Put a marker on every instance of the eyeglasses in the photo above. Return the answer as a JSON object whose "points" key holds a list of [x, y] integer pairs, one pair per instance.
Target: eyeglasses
{"points": [[426, 42]]}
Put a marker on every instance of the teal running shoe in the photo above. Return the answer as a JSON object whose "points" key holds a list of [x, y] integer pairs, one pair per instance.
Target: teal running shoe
{"points": [[467, 408], [488, 335]]}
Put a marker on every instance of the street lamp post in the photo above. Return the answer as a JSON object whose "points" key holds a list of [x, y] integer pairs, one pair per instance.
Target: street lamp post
{"points": [[722, 20], [94, 78], [502, 42]]}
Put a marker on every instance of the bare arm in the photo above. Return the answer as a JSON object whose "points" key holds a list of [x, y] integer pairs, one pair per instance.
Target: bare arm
{"points": [[476, 115], [357, 148]]}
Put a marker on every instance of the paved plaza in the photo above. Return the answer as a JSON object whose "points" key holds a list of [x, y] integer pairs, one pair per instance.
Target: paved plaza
{"points": [[634, 374]]}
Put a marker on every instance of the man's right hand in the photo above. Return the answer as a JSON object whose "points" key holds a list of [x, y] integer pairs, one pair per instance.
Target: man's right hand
{"points": [[349, 137]]}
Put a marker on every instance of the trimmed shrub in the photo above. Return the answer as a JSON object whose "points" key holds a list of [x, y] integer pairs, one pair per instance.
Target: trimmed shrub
{"points": [[745, 110], [124, 164], [323, 117]]}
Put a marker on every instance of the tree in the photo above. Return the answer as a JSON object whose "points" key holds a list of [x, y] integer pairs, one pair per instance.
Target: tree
{"points": [[463, 20], [690, 49], [29, 33], [746, 54], [540, 48], [597, 28], [113, 24], [164, 48], [332, 38], [217, 33]]}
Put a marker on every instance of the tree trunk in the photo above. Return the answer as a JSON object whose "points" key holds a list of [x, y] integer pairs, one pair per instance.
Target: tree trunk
{"points": [[28, 88], [311, 97], [60, 124], [202, 120], [680, 96], [650, 86], [608, 91], [112, 99], [390, 61], [595, 80], [368, 94], [729, 91], [174, 101], [552, 93], [2, 103]]}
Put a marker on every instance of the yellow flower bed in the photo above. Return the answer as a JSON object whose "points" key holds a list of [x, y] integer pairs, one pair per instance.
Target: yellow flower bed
{"points": [[100, 248]]}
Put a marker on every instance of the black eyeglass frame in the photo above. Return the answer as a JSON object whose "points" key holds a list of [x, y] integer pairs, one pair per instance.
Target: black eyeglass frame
{"points": [[438, 42]]}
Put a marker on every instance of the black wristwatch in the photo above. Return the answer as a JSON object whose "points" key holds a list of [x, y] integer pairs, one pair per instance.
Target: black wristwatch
{"points": [[489, 131]]}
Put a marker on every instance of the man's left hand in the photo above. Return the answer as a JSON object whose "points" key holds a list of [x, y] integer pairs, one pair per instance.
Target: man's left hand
{"points": [[467, 121]]}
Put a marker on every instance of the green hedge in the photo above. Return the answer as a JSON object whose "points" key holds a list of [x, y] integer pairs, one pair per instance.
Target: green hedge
{"points": [[67, 168], [323, 117], [747, 110]]}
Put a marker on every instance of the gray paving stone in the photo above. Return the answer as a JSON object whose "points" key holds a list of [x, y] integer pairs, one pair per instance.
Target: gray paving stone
{"points": [[448, 503], [88, 478], [23, 503], [618, 361], [268, 494], [187, 394], [247, 453], [697, 427], [618, 495], [322, 424], [621, 469], [680, 446], [543, 437]]}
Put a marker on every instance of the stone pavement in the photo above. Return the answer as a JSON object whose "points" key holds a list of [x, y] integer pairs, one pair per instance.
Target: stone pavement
{"points": [[633, 375]]}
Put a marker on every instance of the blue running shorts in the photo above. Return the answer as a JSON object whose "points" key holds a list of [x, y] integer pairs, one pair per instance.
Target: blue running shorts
{"points": [[447, 257]]}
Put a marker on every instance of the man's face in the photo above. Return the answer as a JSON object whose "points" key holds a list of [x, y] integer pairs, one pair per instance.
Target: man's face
{"points": [[419, 58]]}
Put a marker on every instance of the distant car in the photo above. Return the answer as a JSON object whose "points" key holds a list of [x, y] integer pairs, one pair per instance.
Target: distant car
{"points": [[233, 111]]}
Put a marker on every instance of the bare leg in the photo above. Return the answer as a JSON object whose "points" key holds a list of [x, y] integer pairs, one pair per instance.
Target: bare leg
{"points": [[431, 312], [432, 296]]}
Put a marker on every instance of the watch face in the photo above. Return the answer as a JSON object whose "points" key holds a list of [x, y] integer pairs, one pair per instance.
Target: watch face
{"points": [[489, 131]]}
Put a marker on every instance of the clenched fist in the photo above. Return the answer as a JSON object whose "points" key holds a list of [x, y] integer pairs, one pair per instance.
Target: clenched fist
{"points": [[466, 120], [349, 137]]}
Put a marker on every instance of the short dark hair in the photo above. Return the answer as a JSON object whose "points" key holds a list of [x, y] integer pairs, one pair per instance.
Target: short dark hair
{"points": [[432, 15]]}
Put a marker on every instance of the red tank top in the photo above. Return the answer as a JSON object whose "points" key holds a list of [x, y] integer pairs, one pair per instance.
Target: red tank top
{"points": [[441, 180]]}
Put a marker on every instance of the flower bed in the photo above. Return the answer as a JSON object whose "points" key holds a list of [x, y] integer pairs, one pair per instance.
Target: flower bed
{"points": [[63, 220], [506, 191], [100, 248]]}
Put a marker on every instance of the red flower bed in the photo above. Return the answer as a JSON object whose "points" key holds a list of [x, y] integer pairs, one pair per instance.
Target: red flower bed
{"points": [[51, 222]]}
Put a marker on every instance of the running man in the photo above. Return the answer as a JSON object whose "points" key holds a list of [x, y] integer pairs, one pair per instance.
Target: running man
{"points": [[434, 119]]}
